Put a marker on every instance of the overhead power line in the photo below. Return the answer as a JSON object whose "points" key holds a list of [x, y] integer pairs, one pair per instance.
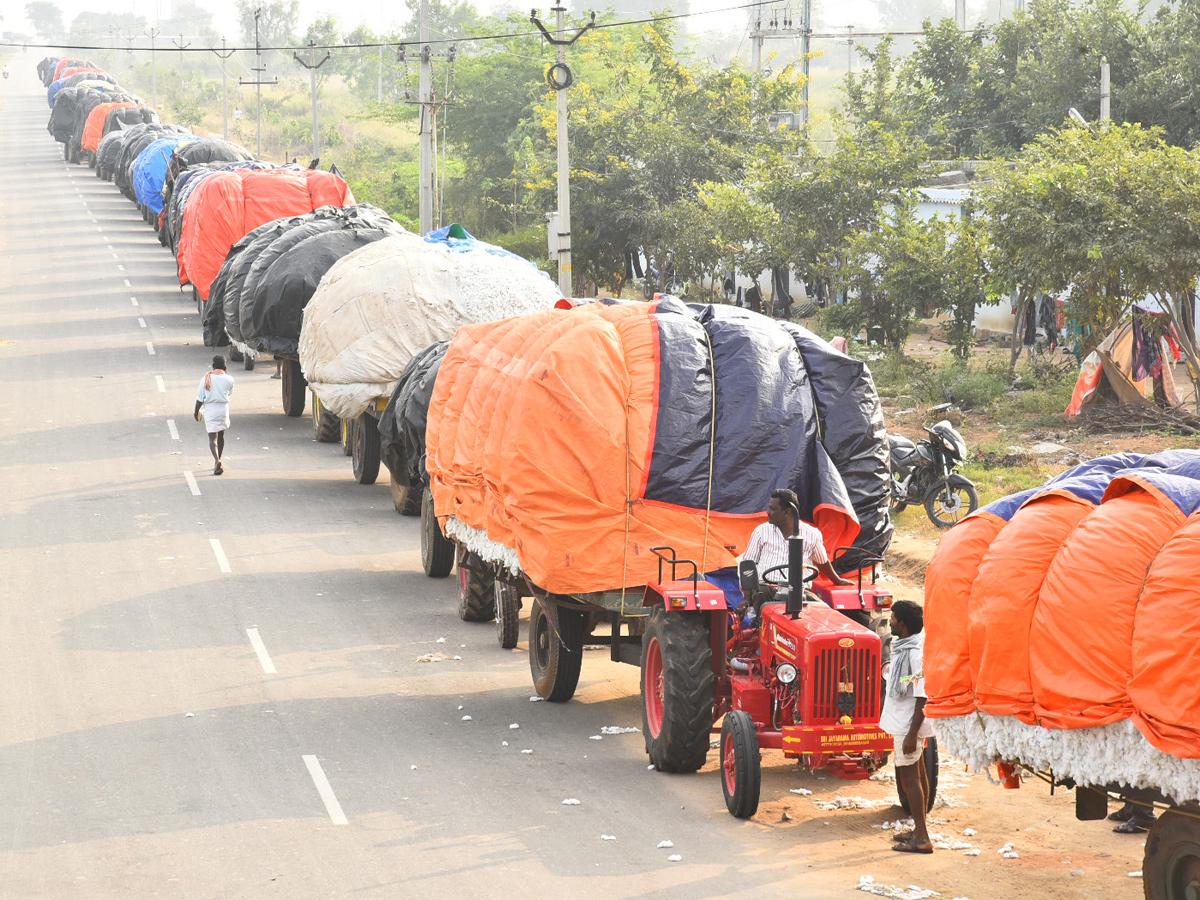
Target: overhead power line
{"points": [[483, 38]]}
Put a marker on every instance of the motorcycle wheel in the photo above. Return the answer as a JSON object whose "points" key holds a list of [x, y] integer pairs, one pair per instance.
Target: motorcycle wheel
{"points": [[949, 502]]}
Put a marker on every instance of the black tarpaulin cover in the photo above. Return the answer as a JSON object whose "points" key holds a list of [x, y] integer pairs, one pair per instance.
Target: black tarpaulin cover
{"points": [[266, 282], [141, 137], [402, 423]]}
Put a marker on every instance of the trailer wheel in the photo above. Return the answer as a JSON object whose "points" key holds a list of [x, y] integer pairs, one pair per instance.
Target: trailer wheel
{"points": [[437, 553], [295, 388], [1171, 865], [347, 437], [476, 589], [366, 449], [508, 614], [677, 690], [235, 355], [248, 362], [741, 764], [327, 427], [405, 497], [931, 770], [555, 650]]}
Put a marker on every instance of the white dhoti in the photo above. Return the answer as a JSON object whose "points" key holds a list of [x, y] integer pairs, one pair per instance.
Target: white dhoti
{"points": [[215, 416]]}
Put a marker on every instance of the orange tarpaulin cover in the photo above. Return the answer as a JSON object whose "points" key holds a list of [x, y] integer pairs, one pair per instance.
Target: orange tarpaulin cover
{"points": [[948, 580], [1079, 661], [1074, 613], [1166, 647], [1004, 597], [94, 127], [541, 434], [228, 205]]}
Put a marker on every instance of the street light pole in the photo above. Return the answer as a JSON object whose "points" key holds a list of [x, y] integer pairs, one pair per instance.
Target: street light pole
{"points": [[224, 55], [560, 77], [312, 67]]}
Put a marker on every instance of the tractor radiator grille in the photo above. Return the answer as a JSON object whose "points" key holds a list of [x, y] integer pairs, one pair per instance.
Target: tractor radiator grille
{"points": [[835, 666]]}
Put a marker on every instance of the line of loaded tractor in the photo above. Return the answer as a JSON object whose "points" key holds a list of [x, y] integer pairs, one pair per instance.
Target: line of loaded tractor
{"points": [[604, 461]]}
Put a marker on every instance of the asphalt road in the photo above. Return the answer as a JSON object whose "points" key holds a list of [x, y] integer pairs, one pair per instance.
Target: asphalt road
{"points": [[210, 684]]}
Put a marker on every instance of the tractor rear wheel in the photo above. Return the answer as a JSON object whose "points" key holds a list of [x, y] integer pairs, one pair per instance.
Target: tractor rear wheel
{"points": [[366, 449], [930, 756], [326, 426], [555, 650], [677, 690], [405, 497], [1171, 865], [476, 589], [295, 388], [508, 614], [741, 764], [437, 553]]}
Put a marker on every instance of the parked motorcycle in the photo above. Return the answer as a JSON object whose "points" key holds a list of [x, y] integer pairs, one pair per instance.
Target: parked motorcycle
{"points": [[927, 473]]}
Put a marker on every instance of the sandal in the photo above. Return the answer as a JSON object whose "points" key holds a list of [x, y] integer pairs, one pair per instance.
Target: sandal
{"points": [[902, 836], [910, 847], [219, 470], [1129, 827], [1124, 814]]}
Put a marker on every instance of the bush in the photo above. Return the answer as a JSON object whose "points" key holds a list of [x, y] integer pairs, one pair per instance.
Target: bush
{"points": [[961, 385]]}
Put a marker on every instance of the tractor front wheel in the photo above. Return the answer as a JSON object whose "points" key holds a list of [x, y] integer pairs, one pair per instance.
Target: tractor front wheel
{"points": [[677, 690], [437, 551], [555, 649], [741, 764], [508, 614], [294, 388], [1171, 865]]}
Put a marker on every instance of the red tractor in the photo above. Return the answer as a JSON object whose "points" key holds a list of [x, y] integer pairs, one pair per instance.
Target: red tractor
{"points": [[787, 673]]}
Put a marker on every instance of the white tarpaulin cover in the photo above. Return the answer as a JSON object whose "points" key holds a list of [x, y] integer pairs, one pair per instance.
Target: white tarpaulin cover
{"points": [[378, 307]]}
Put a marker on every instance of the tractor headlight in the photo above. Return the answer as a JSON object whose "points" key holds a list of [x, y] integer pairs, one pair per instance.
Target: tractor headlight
{"points": [[786, 673]]}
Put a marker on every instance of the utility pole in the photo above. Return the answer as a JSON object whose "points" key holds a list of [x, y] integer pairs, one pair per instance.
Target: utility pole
{"points": [[258, 68], [152, 34], [960, 14], [182, 46], [379, 77], [849, 49], [560, 77], [312, 67], [1104, 91], [806, 50], [783, 28], [224, 55], [756, 38], [425, 128]]}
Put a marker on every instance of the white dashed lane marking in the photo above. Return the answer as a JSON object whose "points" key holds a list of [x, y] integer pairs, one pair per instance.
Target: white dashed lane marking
{"points": [[191, 483], [260, 649], [222, 561], [162, 385], [330, 799], [149, 348], [171, 428]]}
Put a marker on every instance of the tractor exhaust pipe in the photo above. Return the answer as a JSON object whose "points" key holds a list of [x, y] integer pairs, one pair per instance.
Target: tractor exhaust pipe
{"points": [[795, 601]]}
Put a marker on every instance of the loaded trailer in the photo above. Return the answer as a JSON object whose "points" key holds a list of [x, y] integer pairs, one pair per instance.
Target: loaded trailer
{"points": [[609, 461], [1108, 709]]}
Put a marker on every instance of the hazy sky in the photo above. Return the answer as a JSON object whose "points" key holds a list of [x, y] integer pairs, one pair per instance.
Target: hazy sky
{"points": [[719, 14]]}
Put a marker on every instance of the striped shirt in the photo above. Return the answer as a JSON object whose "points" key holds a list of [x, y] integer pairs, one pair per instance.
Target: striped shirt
{"points": [[768, 548]]}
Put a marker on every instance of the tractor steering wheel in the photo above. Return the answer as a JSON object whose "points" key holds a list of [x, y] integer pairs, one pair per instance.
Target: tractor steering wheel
{"points": [[809, 577]]}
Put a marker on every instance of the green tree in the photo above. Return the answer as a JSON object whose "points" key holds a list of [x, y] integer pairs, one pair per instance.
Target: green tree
{"points": [[447, 19], [276, 22], [45, 17], [1105, 217]]}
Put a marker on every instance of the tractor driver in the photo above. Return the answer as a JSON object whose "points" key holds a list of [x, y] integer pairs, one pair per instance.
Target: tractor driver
{"points": [[768, 542]]}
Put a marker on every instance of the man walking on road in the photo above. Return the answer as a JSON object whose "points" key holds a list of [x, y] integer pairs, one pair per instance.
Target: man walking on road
{"points": [[212, 407], [904, 718]]}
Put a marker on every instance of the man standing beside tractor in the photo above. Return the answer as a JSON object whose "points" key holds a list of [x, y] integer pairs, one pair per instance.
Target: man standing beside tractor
{"points": [[904, 718]]}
